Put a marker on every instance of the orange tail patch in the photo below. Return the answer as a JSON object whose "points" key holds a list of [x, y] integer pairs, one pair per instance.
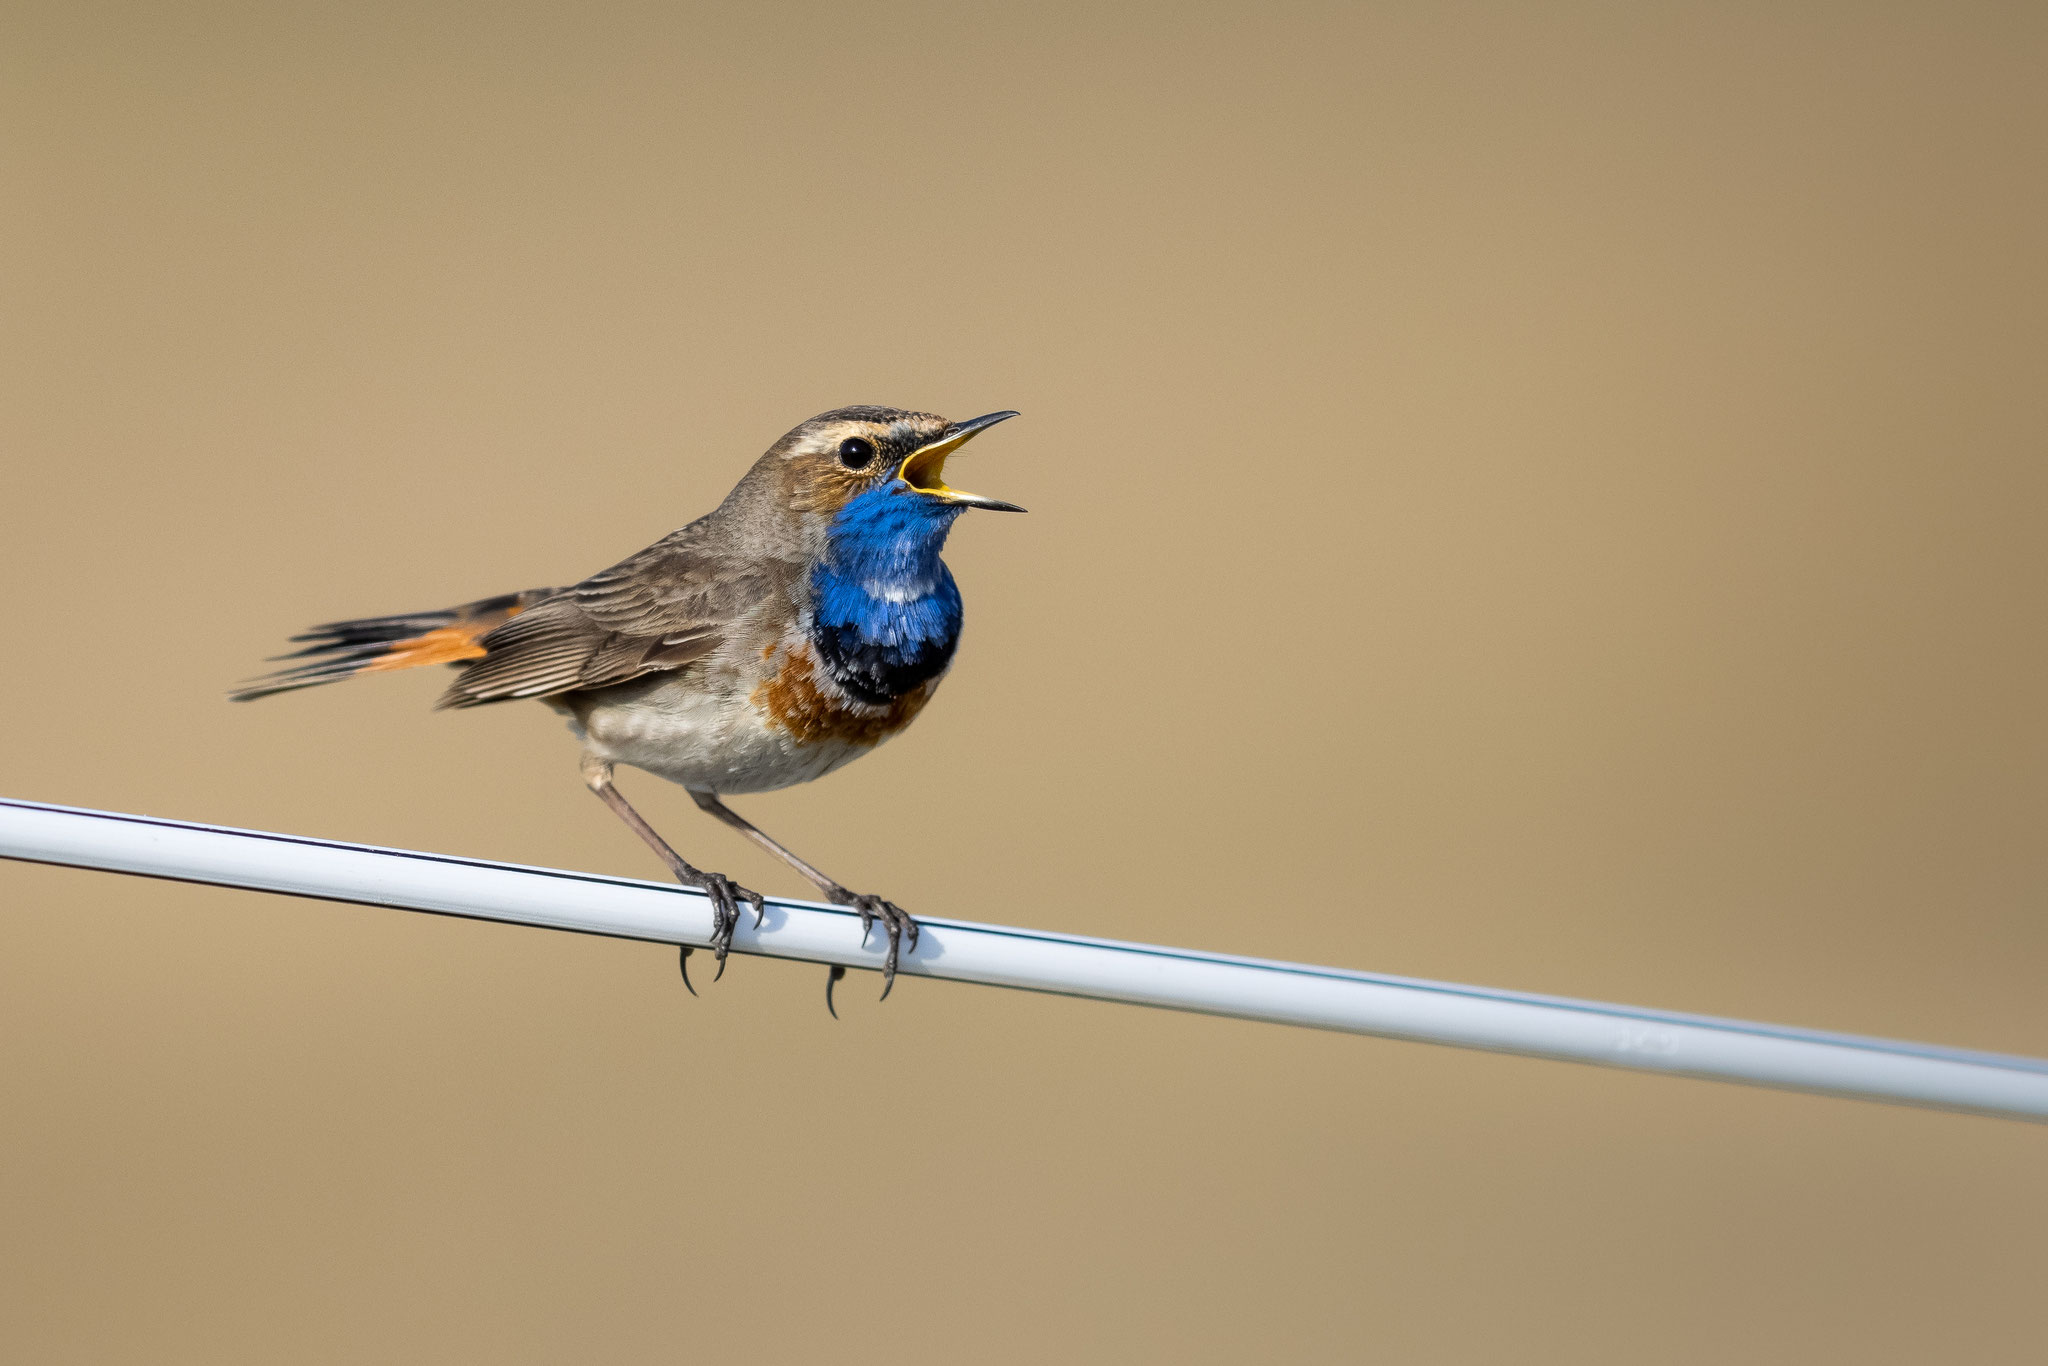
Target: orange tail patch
{"points": [[449, 645], [341, 649]]}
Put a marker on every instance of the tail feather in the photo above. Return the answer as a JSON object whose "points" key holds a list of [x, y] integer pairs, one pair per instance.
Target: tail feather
{"points": [[341, 649]]}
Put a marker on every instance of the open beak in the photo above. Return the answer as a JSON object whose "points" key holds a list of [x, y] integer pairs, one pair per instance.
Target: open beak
{"points": [[925, 468]]}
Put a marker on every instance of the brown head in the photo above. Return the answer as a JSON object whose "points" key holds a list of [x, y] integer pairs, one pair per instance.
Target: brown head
{"points": [[820, 466]]}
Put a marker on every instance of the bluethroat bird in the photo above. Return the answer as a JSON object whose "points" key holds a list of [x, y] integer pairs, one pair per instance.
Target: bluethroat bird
{"points": [[800, 624]]}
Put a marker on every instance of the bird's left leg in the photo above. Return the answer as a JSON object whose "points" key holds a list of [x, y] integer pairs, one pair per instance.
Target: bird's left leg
{"points": [[896, 922], [725, 895]]}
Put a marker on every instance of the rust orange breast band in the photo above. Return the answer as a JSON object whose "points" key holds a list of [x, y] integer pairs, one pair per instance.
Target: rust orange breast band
{"points": [[795, 703]]}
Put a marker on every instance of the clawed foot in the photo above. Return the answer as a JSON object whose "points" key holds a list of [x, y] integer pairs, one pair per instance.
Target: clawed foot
{"points": [[896, 922], [726, 896]]}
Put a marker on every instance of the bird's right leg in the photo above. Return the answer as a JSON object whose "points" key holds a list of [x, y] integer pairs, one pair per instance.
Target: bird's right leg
{"points": [[896, 922], [725, 894]]}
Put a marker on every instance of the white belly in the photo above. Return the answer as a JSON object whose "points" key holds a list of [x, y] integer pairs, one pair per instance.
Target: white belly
{"points": [[708, 742]]}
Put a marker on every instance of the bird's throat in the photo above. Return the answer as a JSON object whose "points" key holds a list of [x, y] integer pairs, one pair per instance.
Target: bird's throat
{"points": [[885, 611]]}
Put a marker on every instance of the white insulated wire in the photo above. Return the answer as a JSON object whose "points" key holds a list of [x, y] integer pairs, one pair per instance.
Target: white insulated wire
{"points": [[995, 955]]}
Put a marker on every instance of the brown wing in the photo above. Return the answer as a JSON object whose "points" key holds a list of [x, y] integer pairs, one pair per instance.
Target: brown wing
{"points": [[663, 608]]}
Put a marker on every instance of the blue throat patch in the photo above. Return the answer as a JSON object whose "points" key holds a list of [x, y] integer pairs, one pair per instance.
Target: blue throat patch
{"points": [[886, 612]]}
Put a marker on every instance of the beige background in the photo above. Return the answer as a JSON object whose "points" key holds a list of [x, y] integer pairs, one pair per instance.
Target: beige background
{"points": [[1535, 495]]}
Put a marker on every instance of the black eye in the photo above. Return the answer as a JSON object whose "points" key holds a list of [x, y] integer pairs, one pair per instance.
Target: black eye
{"points": [[854, 453]]}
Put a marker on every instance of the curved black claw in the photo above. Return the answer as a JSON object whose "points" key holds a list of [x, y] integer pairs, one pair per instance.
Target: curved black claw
{"points": [[726, 895], [832, 980], [896, 922], [684, 963]]}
